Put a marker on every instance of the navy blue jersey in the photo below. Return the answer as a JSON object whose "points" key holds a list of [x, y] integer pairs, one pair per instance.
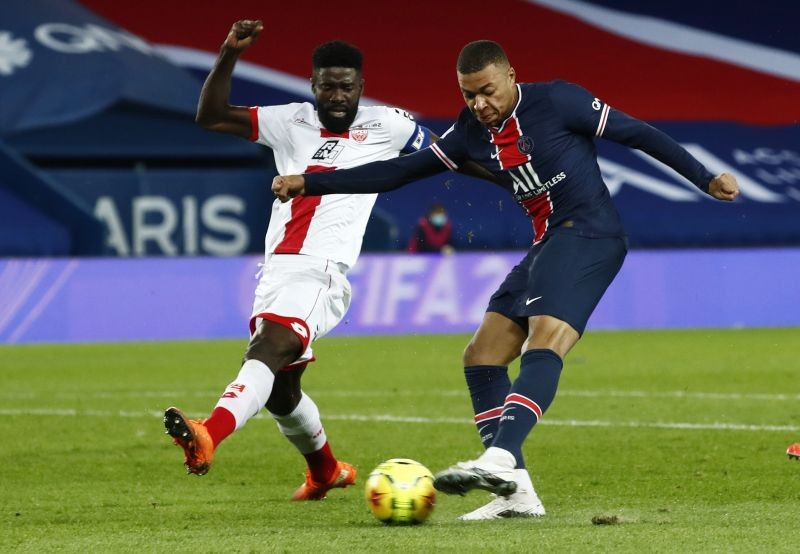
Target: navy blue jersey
{"points": [[543, 154]]}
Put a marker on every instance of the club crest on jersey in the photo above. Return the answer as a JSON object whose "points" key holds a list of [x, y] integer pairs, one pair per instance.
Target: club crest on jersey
{"points": [[359, 135], [525, 144], [328, 152]]}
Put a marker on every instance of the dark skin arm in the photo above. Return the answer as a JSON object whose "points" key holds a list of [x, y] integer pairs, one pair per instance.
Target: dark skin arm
{"points": [[213, 110]]}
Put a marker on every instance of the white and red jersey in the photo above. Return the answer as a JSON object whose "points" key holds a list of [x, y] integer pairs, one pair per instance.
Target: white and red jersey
{"points": [[332, 226]]}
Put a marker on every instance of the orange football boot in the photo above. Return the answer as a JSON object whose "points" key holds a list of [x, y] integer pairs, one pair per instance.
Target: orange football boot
{"points": [[193, 437], [794, 451], [344, 476]]}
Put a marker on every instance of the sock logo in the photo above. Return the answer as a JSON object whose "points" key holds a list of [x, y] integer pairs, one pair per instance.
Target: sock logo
{"points": [[230, 394]]}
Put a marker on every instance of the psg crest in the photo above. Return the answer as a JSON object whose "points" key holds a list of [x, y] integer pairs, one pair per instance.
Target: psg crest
{"points": [[359, 135], [525, 144]]}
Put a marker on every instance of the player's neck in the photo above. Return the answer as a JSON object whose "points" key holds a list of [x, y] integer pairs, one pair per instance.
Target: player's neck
{"points": [[511, 110]]}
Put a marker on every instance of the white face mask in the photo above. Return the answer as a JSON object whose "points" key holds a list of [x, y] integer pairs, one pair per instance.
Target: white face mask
{"points": [[438, 220]]}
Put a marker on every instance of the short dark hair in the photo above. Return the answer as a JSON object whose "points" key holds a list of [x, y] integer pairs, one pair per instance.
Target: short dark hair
{"points": [[477, 55], [337, 53]]}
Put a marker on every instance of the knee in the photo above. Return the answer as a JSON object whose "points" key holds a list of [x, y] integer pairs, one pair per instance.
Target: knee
{"points": [[552, 334], [470, 355], [476, 353]]}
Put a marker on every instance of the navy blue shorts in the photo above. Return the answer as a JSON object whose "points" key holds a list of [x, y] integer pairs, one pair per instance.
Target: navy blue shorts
{"points": [[563, 276]]}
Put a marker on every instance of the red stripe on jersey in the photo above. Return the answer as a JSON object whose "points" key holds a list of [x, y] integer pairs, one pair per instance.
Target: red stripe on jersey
{"points": [[324, 133], [303, 209], [539, 209], [515, 398], [489, 414], [505, 140], [254, 123]]}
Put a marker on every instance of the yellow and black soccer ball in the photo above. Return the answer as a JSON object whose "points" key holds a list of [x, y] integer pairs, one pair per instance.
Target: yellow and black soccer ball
{"points": [[400, 491]]}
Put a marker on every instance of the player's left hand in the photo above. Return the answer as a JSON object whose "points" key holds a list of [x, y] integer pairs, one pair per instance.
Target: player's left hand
{"points": [[286, 187], [724, 187]]}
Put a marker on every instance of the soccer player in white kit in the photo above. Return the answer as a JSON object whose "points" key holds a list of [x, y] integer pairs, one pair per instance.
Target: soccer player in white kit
{"points": [[311, 243]]}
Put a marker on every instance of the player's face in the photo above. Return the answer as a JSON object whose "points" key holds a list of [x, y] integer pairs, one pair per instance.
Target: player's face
{"points": [[490, 93], [337, 91]]}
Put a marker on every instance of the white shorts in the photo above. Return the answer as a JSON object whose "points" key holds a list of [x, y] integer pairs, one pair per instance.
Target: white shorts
{"points": [[308, 295]]}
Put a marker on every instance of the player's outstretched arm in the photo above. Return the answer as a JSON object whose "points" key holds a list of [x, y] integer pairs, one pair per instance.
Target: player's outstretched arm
{"points": [[724, 187], [213, 110], [374, 177], [286, 187]]}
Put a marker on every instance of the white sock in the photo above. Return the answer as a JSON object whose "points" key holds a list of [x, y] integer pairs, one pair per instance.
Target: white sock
{"points": [[499, 456], [303, 426], [523, 480], [245, 397]]}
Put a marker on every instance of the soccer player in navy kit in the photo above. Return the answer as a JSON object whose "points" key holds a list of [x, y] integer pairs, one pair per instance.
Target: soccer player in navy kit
{"points": [[537, 140]]}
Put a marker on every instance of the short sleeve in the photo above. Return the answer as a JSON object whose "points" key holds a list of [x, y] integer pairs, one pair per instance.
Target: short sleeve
{"points": [[407, 135], [270, 124], [581, 111]]}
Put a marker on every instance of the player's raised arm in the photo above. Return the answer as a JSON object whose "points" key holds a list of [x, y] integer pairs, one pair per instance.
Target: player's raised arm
{"points": [[213, 110]]}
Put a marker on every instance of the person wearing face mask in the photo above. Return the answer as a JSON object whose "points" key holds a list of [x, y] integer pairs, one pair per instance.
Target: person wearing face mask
{"points": [[433, 233]]}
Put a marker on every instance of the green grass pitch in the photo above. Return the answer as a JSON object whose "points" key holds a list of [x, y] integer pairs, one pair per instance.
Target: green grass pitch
{"points": [[680, 436]]}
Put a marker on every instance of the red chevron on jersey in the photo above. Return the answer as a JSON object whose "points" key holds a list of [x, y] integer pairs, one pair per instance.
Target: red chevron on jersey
{"points": [[515, 398], [539, 208], [506, 140]]}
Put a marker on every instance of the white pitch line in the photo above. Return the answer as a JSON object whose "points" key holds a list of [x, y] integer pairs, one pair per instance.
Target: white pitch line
{"points": [[391, 418], [177, 394]]}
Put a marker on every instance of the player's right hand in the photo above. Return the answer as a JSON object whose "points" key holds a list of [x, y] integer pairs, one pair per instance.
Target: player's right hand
{"points": [[243, 34], [286, 187], [724, 187]]}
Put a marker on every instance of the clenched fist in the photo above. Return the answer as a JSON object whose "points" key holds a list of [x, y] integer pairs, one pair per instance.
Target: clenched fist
{"points": [[724, 187], [243, 34], [286, 187]]}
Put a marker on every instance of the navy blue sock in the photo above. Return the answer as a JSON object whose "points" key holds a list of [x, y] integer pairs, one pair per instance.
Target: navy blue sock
{"points": [[488, 388], [530, 396]]}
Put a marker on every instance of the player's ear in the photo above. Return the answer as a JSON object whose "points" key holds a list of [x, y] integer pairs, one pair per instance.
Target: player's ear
{"points": [[512, 75]]}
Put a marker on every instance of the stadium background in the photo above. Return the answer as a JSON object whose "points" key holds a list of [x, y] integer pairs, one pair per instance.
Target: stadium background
{"points": [[100, 160], [120, 220]]}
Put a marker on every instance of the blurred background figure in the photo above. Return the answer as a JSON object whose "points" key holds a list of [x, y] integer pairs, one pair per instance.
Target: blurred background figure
{"points": [[433, 233]]}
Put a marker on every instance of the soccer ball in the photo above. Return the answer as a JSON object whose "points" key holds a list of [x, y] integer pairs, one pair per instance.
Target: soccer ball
{"points": [[400, 491]]}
